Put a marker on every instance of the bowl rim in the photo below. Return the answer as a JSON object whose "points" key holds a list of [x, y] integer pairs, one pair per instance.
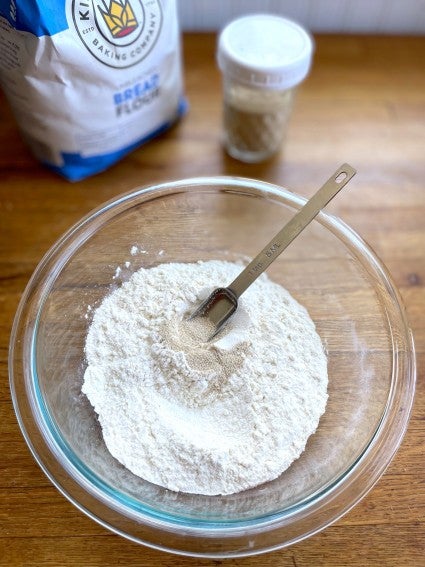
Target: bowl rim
{"points": [[396, 414]]}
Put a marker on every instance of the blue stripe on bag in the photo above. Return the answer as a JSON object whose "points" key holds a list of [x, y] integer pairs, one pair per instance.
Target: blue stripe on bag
{"points": [[38, 17]]}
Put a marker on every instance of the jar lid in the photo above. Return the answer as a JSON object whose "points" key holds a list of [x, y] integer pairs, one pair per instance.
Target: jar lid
{"points": [[265, 51]]}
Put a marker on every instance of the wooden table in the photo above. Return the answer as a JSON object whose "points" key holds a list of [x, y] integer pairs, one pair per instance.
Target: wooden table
{"points": [[363, 103]]}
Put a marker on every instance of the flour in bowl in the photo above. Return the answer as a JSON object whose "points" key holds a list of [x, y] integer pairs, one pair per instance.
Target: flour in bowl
{"points": [[196, 416]]}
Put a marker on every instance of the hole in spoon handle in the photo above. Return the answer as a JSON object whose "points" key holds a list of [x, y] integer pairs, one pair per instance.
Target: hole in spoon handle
{"points": [[344, 174]]}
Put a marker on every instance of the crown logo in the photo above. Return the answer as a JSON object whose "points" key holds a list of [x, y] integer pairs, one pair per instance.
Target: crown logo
{"points": [[119, 17]]}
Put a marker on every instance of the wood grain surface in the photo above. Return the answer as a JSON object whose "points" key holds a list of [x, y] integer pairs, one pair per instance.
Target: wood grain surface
{"points": [[364, 103]]}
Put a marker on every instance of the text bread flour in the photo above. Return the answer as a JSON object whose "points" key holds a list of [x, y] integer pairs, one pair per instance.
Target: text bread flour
{"points": [[90, 80]]}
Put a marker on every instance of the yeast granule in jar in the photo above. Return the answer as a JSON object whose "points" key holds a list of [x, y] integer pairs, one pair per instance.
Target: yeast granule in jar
{"points": [[263, 58]]}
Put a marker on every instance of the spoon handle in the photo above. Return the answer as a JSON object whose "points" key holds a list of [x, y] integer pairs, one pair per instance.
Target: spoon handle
{"points": [[292, 229]]}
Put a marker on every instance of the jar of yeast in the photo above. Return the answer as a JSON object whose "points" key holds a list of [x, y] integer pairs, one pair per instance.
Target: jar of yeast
{"points": [[262, 58]]}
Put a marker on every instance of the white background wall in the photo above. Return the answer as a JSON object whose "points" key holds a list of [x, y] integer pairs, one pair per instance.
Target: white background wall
{"points": [[356, 16]]}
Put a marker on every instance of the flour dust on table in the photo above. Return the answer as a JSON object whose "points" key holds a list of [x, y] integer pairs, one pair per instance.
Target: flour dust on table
{"points": [[204, 417]]}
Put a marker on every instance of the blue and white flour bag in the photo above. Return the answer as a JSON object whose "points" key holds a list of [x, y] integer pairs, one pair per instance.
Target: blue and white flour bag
{"points": [[90, 80]]}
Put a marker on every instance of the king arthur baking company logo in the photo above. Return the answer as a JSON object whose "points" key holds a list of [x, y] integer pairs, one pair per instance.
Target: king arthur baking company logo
{"points": [[118, 33]]}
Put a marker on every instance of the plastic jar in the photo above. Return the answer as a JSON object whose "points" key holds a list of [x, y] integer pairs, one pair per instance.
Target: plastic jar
{"points": [[262, 59]]}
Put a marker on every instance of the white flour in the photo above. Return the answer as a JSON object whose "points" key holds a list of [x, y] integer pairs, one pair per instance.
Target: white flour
{"points": [[206, 418]]}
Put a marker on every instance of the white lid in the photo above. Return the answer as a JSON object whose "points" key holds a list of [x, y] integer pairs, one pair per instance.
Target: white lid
{"points": [[265, 51]]}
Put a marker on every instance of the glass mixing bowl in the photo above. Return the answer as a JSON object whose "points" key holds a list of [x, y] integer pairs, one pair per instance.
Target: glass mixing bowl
{"points": [[328, 269]]}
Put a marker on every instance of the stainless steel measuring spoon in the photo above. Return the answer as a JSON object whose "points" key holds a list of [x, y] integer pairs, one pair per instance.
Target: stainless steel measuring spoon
{"points": [[223, 301]]}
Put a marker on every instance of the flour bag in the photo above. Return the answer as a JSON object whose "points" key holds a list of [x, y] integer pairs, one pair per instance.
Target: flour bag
{"points": [[90, 80]]}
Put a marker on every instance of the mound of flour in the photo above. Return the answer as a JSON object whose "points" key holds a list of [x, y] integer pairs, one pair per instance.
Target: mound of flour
{"points": [[204, 417]]}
